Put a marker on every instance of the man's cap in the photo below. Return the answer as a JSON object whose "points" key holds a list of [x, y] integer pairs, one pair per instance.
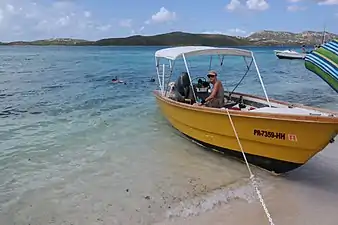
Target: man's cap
{"points": [[212, 72]]}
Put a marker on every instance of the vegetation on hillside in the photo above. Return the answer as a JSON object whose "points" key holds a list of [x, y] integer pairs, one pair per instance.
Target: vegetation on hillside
{"points": [[262, 38], [267, 37], [176, 39]]}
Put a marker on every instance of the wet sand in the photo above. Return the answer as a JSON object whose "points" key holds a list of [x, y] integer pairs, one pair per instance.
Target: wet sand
{"points": [[308, 196]]}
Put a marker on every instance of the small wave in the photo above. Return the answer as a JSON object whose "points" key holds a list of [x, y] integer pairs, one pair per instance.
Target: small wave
{"points": [[12, 111], [5, 95], [241, 190], [50, 87], [97, 78], [281, 72], [24, 72]]}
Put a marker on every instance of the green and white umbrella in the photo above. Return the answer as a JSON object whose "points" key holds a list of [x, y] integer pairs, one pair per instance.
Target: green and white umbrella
{"points": [[324, 62]]}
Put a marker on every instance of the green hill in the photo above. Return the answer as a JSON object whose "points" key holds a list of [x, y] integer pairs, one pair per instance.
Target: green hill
{"points": [[262, 38], [176, 39], [168, 39], [52, 41]]}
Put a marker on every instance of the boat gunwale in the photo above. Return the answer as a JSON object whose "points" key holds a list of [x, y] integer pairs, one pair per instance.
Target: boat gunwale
{"points": [[262, 115]]}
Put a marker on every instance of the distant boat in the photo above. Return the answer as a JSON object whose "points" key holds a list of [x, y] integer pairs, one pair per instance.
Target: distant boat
{"points": [[289, 54]]}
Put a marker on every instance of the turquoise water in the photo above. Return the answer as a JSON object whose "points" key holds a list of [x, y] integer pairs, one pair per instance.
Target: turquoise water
{"points": [[77, 149]]}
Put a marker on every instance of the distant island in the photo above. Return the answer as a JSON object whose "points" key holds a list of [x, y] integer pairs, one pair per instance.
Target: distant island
{"points": [[262, 38]]}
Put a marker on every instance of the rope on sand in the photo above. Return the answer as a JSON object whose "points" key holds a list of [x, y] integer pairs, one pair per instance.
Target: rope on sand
{"points": [[252, 177]]}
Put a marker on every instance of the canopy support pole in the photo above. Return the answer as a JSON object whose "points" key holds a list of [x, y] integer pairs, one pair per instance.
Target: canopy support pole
{"points": [[210, 63], [158, 74], [261, 80], [186, 67], [163, 72], [171, 67]]}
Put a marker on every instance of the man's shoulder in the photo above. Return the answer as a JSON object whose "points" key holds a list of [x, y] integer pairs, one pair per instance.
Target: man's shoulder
{"points": [[218, 82]]}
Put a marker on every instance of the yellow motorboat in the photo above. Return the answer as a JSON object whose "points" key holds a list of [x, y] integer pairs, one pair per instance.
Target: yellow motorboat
{"points": [[274, 135]]}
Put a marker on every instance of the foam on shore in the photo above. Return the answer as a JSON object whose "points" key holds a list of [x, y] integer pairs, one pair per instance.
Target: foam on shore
{"points": [[241, 190]]}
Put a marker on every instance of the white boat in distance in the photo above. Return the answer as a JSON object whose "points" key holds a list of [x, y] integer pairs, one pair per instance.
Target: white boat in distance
{"points": [[289, 54]]}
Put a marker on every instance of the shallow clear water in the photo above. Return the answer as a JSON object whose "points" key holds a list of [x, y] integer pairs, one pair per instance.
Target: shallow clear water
{"points": [[77, 149]]}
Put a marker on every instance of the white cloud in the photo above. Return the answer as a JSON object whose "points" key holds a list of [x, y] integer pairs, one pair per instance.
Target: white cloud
{"points": [[126, 23], [27, 20], [236, 31], [10, 8], [139, 31], [162, 16], [1, 15], [327, 2], [213, 32], [231, 32], [294, 0], [104, 27], [260, 5], [233, 5], [87, 14], [295, 8], [62, 4]]}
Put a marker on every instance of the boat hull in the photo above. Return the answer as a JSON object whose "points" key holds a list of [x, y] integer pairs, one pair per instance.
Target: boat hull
{"points": [[275, 165], [289, 55], [281, 56], [275, 143]]}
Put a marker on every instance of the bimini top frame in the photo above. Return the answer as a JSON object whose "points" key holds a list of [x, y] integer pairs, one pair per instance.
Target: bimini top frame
{"points": [[171, 54]]}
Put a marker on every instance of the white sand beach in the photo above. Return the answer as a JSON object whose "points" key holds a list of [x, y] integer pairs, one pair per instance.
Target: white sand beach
{"points": [[305, 196]]}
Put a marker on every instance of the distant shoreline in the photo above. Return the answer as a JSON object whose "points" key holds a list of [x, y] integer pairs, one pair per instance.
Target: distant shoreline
{"points": [[258, 39], [163, 46]]}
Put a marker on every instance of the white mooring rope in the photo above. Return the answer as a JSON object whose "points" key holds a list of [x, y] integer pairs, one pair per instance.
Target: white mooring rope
{"points": [[252, 177]]}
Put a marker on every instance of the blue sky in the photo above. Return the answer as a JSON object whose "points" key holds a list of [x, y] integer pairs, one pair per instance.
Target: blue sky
{"points": [[90, 19]]}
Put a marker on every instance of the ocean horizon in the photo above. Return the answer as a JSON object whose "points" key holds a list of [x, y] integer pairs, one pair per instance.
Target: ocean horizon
{"points": [[77, 149]]}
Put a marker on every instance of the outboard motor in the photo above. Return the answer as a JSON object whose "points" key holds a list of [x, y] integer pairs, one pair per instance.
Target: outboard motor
{"points": [[183, 88]]}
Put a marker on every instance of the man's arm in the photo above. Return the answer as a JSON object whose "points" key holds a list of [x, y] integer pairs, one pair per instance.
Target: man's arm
{"points": [[213, 93]]}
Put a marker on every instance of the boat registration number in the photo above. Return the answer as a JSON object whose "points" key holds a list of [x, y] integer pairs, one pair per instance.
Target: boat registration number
{"points": [[270, 134]]}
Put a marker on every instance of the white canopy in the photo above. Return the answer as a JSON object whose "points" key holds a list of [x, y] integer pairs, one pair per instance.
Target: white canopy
{"points": [[176, 52]]}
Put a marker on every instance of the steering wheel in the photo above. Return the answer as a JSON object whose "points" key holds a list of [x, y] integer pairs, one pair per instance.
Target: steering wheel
{"points": [[203, 79]]}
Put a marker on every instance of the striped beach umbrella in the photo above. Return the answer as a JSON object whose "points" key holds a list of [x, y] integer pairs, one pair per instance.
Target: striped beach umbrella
{"points": [[324, 62]]}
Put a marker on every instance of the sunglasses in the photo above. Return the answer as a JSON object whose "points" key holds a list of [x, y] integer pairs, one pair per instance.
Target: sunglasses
{"points": [[209, 75]]}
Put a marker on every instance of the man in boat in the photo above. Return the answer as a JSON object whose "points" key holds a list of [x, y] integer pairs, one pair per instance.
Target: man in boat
{"points": [[216, 98], [303, 49]]}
